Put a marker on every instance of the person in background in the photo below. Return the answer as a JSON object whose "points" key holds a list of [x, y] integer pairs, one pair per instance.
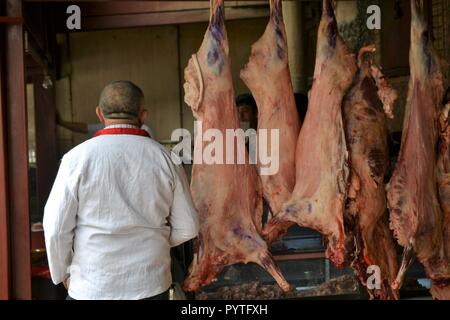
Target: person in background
{"points": [[117, 206], [248, 111]]}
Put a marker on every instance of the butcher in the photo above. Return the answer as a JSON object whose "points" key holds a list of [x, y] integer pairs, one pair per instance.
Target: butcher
{"points": [[117, 206], [248, 112]]}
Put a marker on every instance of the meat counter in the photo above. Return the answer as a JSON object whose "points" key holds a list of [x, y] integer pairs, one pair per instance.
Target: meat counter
{"points": [[300, 255]]}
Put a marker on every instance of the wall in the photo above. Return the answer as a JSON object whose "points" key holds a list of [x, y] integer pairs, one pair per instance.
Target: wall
{"points": [[152, 57], [145, 56]]}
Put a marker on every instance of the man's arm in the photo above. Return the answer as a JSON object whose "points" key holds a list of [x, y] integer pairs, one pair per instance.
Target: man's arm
{"points": [[59, 223], [79, 127], [183, 216]]}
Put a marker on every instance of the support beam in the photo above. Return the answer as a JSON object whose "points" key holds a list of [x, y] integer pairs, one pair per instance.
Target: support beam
{"points": [[292, 13], [4, 221], [115, 15], [138, 7], [17, 141], [46, 157], [164, 18]]}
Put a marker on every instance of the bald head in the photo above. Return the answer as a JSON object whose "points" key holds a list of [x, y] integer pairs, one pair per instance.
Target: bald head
{"points": [[121, 100]]}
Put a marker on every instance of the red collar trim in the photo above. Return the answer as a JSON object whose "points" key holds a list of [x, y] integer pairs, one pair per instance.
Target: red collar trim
{"points": [[130, 131]]}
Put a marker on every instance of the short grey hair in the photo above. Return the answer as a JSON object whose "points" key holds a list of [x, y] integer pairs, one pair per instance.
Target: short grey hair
{"points": [[121, 100]]}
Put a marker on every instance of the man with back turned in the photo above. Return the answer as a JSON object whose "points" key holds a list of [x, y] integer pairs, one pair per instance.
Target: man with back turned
{"points": [[117, 206]]}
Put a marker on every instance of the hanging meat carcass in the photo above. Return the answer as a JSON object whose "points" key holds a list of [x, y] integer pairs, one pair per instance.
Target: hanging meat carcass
{"points": [[441, 289], [415, 213], [268, 78], [370, 242], [228, 197], [319, 195]]}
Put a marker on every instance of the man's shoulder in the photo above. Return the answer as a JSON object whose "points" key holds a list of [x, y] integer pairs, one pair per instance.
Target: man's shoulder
{"points": [[170, 157], [80, 149], [167, 156], [96, 144]]}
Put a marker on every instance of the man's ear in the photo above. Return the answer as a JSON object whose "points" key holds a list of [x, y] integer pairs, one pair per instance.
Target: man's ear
{"points": [[143, 116], [100, 115]]}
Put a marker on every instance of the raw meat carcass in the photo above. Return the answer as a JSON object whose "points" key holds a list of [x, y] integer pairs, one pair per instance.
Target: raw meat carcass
{"points": [[369, 240], [268, 78], [442, 289], [228, 197], [320, 191], [415, 213]]}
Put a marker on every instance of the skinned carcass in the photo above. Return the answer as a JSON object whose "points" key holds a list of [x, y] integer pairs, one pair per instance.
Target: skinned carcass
{"points": [[268, 78], [415, 212], [441, 288], [370, 244], [228, 197], [318, 199]]}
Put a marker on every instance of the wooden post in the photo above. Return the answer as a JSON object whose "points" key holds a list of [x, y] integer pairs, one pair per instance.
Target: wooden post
{"points": [[4, 221], [292, 13], [17, 157], [46, 155]]}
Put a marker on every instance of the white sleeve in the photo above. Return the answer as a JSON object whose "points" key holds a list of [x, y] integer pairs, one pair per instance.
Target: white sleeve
{"points": [[183, 217], [59, 223]]}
